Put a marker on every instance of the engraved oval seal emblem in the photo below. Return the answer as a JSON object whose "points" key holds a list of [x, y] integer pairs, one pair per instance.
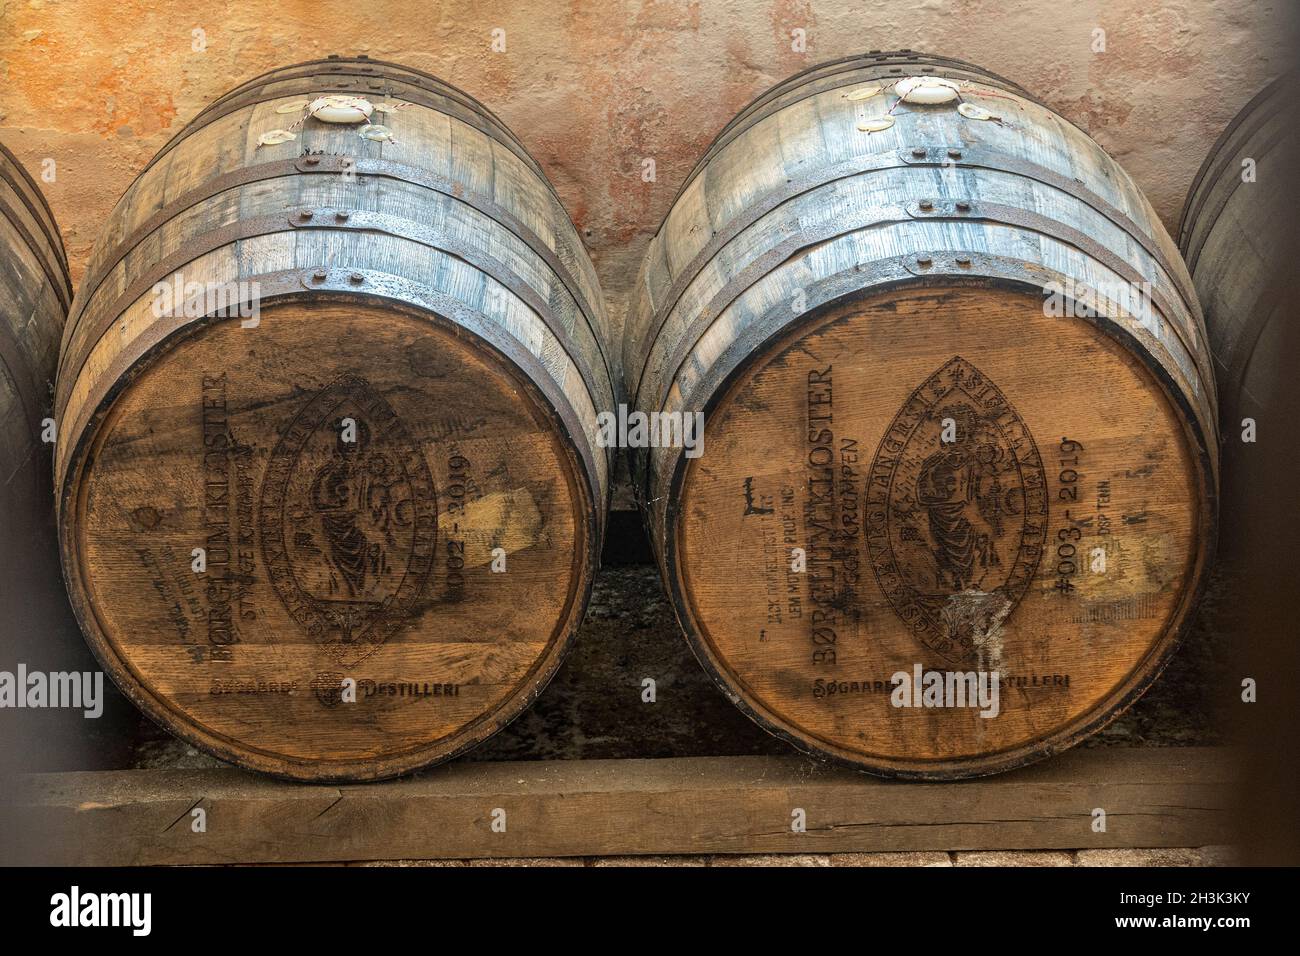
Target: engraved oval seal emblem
{"points": [[956, 516], [348, 519]]}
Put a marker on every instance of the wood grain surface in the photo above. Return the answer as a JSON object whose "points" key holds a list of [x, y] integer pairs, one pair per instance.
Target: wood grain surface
{"points": [[1152, 798], [975, 555]]}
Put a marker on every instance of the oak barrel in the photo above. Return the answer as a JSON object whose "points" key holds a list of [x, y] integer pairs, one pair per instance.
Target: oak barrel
{"points": [[1241, 243], [329, 487], [958, 420], [39, 638], [34, 295], [1241, 238]]}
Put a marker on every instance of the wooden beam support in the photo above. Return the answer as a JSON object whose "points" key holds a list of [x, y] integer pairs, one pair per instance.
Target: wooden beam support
{"points": [[695, 805]]}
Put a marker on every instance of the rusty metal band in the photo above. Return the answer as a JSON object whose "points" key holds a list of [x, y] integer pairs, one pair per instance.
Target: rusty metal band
{"points": [[868, 276], [866, 279], [57, 277], [1037, 222], [51, 243], [363, 66], [732, 133], [18, 367], [33, 200], [974, 158], [469, 117], [980, 158], [336, 165], [1252, 115], [931, 156], [1220, 193], [295, 283], [82, 345], [801, 239]]}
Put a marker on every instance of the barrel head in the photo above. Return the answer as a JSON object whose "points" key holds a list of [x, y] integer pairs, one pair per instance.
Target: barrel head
{"points": [[936, 532], [344, 544]]}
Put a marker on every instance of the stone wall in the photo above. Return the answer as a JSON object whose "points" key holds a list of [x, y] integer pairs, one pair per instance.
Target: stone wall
{"points": [[594, 88]]}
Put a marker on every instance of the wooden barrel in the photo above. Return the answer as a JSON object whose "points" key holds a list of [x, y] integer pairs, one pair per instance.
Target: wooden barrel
{"points": [[1241, 251], [34, 297], [38, 634], [958, 420], [35, 293], [1242, 239], [353, 533]]}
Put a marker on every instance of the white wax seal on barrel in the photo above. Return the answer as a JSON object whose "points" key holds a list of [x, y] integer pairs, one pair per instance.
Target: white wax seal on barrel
{"points": [[926, 90], [340, 109]]}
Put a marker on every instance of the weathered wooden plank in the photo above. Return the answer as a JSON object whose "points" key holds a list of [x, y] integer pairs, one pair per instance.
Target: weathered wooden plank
{"points": [[1152, 798]]}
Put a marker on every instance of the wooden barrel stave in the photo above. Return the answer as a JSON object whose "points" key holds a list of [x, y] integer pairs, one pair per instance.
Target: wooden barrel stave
{"points": [[302, 252], [33, 302], [795, 203], [441, 145], [441, 269], [274, 204], [34, 291], [761, 311], [459, 155], [375, 79], [1236, 247], [728, 187], [320, 78], [870, 199], [887, 66]]}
